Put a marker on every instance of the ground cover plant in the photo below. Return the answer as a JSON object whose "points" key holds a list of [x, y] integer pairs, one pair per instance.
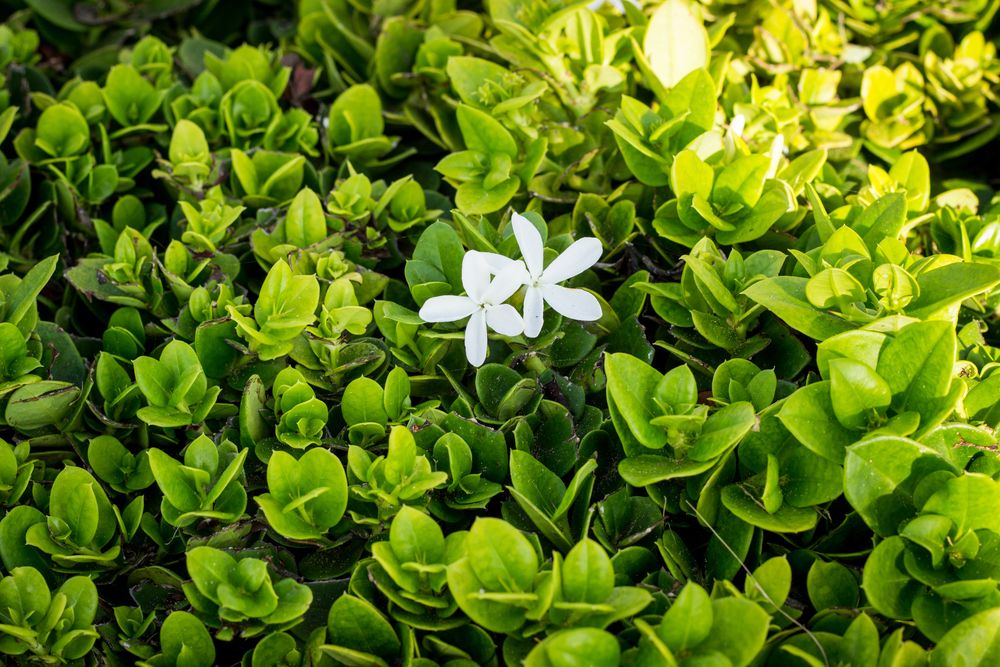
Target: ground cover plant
{"points": [[551, 333]]}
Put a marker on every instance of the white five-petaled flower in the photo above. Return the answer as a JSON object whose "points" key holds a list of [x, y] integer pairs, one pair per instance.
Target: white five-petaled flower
{"points": [[484, 304], [490, 279], [542, 281]]}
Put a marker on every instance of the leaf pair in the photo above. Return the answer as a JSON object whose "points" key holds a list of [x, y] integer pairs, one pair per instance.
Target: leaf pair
{"points": [[306, 497], [285, 306], [492, 170], [207, 485], [175, 387], [243, 591]]}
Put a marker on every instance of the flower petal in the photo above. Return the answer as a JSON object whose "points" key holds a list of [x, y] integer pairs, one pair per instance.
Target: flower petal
{"points": [[576, 304], [475, 338], [494, 261], [508, 281], [533, 307], [447, 308], [576, 259], [475, 275], [504, 319], [530, 243]]}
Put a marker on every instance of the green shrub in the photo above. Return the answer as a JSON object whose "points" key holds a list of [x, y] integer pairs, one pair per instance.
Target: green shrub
{"points": [[549, 333]]}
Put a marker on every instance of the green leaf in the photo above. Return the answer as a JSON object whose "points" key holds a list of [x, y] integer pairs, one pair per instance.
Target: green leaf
{"points": [[24, 594], [210, 568], [273, 649], [882, 220], [482, 133], [62, 131], [632, 386], [834, 289], [975, 642], [860, 643], [676, 42], [831, 585], [944, 288], [770, 583], [248, 592], [888, 586], [880, 475], [175, 383], [913, 173], [749, 508], [437, 257], [856, 392], [741, 182], [363, 402], [189, 145], [688, 621], [578, 647], [785, 296], [355, 115], [536, 483], [772, 205], [286, 301], [808, 415], [468, 75], [970, 501], [185, 641], [692, 101], [475, 198], [497, 615], [708, 280], [500, 555], [22, 308], [690, 175], [355, 624], [416, 538], [176, 485], [587, 574], [305, 223], [809, 479], [489, 448], [722, 431], [294, 599], [77, 506], [493, 382], [650, 469], [14, 548], [307, 496], [918, 365], [40, 404], [130, 99], [78, 499], [739, 628], [396, 396]]}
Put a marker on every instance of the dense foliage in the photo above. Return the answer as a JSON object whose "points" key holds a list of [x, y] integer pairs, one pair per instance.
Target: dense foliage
{"points": [[524, 332]]}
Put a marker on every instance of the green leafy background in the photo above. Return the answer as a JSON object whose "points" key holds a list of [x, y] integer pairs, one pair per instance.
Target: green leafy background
{"points": [[226, 436]]}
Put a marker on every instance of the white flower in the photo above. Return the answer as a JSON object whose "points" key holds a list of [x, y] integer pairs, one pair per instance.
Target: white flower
{"points": [[542, 283], [484, 304]]}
